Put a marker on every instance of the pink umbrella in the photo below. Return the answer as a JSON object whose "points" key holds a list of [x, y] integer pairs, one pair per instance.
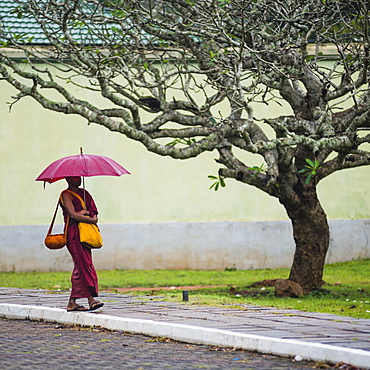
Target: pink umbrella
{"points": [[83, 165]]}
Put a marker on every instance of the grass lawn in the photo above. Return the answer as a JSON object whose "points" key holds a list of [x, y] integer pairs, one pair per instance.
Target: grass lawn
{"points": [[346, 292]]}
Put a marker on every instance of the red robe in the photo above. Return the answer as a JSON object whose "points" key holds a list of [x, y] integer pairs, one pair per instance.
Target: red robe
{"points": [[84, 278]]}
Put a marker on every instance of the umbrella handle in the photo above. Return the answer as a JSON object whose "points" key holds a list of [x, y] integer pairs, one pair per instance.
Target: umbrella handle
{"points": [[83, 178], [83, 185]]}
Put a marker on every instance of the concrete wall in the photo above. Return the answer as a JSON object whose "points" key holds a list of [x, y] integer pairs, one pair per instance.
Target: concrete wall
{"points": [[200, 245], [160, 189], [161, 216]]}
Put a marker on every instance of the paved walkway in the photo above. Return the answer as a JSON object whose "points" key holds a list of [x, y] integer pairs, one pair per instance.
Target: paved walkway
{"points": [[312, 336], [36, 345]]}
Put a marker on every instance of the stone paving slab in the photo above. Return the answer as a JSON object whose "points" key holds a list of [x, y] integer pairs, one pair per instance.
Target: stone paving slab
{"points": [[323, 337]]}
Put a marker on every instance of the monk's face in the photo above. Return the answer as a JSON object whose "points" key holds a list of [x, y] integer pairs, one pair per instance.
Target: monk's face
{"points": [[74, 181]]}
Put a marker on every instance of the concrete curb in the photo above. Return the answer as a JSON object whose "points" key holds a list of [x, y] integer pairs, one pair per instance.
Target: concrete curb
{"points": [[193, 334]]}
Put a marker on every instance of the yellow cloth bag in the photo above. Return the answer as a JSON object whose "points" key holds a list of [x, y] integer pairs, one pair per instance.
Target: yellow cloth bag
{"points": [[90, 235]]}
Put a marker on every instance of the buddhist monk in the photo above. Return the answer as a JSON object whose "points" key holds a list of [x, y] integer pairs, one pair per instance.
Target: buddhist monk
{"points": [[84, 278]]}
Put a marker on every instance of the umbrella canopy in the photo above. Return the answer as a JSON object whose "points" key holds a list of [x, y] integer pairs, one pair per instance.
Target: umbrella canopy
{"points": [[83, 165]]}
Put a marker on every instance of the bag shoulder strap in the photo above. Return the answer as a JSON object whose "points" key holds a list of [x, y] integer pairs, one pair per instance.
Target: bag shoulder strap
{"points": [[53, 220], [75, 195]]}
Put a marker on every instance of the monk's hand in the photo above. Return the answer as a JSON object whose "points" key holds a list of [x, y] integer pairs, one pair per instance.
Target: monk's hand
{"points": [[94, 220]]}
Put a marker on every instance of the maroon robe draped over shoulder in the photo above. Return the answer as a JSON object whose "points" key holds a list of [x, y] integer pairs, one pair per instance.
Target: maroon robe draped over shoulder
{"points": [[84, 278]]}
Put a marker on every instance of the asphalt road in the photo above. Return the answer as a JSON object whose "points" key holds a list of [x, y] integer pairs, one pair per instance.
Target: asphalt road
{"points": [[38, 345]]}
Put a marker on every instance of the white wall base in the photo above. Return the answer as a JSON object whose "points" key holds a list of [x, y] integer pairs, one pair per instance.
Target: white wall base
{"points": [[202, 245]]}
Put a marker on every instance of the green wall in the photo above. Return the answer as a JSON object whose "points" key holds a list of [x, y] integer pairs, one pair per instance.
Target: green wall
{"points": [[160, 189]]}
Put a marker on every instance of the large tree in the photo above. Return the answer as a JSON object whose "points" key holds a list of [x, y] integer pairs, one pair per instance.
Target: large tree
{"points": [[238, 53]]}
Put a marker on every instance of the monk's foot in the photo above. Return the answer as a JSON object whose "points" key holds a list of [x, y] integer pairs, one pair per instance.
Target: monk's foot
{"points": [[76, 308], [96, 305]]}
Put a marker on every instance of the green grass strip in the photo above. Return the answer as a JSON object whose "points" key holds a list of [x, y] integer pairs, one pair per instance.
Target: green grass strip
{"points": [[346, 292]]}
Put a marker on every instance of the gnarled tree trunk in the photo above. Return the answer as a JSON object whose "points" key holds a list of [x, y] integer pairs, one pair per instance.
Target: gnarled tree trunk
{"points": [[311, 235]]}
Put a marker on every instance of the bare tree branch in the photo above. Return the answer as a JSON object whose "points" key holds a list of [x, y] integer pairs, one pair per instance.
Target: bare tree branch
{"points": [[139, 54]]}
